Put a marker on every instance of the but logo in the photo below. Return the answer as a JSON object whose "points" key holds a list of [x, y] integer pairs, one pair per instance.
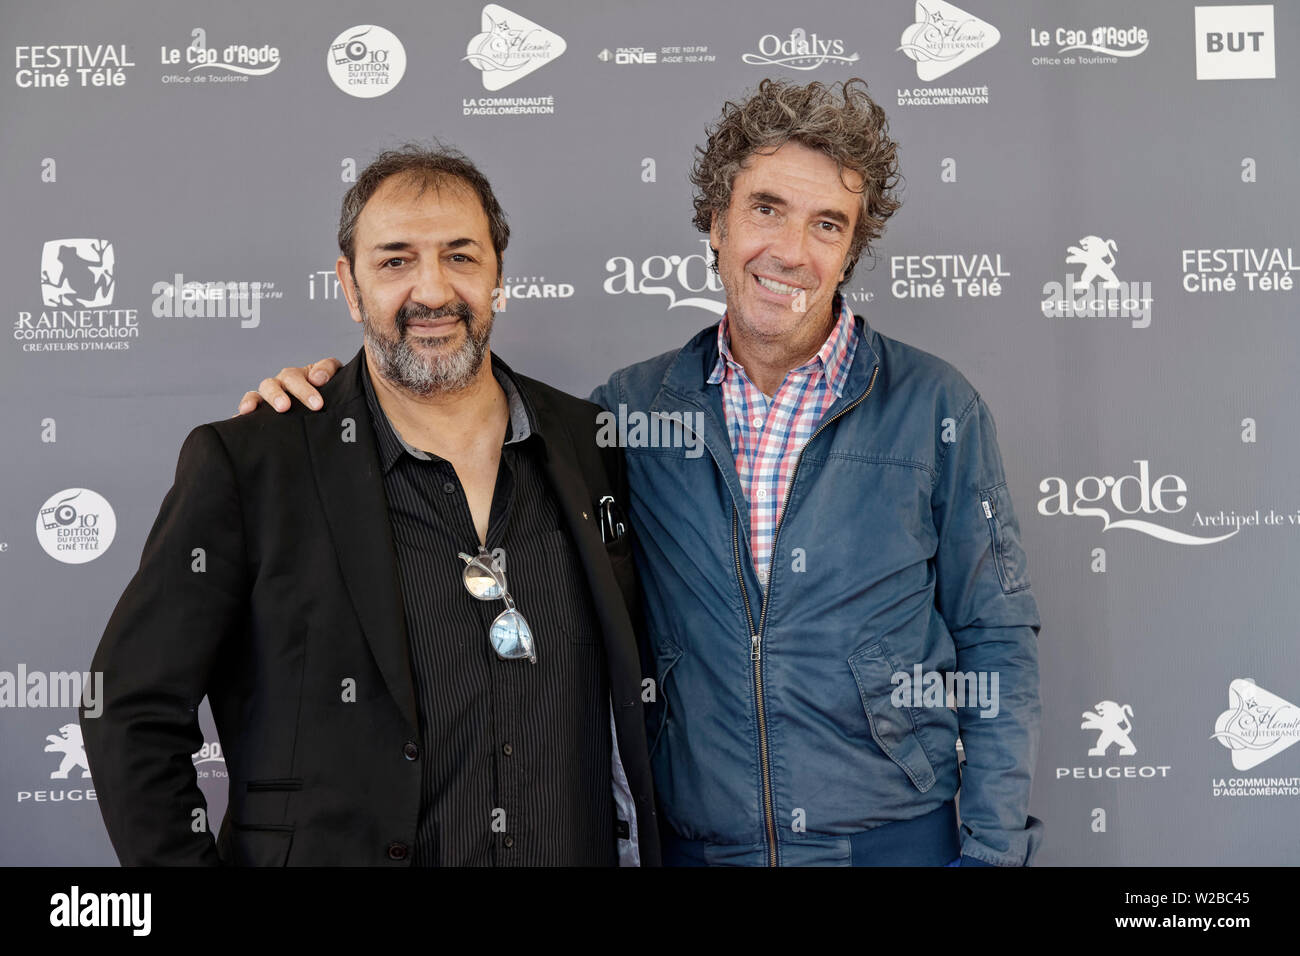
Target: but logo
{"points": [[1235, 43]]}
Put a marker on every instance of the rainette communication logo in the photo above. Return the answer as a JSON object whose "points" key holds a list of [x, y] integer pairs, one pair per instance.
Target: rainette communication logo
{"points": [[509, 47], [76, 525], [232, 63], [366, 61], [682, 280], [798, 51], [78, 284], [1235, 43], [77, 272], [1096, 291], [943, 38]]}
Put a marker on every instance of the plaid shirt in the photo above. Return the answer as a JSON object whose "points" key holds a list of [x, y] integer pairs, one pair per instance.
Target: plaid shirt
{"points": [[767, 436]]}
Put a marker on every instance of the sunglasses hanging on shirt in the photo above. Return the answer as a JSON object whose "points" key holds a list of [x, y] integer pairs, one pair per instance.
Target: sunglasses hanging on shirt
{"points": [[509, 633]]}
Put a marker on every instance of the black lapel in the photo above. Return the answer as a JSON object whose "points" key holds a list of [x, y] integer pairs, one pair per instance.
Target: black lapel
{"points": [[579, 508], [351, 488]]}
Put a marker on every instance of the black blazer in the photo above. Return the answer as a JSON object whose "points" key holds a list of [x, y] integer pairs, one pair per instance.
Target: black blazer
{"points": [[294, 590]]}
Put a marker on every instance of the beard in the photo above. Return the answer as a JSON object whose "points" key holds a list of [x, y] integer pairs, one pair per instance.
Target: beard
{"points": [[415, 367]]}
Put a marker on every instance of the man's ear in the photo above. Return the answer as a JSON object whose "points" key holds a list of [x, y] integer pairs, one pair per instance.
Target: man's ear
{"points": [[715, 229], [349, 287]]}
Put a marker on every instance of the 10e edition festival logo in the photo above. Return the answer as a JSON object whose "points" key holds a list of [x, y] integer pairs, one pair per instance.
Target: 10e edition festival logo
{"points": [[76, 525], [366, 61]]}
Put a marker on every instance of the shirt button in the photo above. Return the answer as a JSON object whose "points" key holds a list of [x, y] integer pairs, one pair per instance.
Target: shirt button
{"points": [[758, 422], [509, 842], [761, 494], [449, 486], [410, 751], [507, 749], [397, 851]]}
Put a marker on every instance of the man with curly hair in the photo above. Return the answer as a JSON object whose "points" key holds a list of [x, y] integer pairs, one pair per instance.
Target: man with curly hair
{"points": [[845, 562]]}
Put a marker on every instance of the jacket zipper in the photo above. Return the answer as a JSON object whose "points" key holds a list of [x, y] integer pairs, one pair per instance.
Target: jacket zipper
{"points": [[756, 637]]}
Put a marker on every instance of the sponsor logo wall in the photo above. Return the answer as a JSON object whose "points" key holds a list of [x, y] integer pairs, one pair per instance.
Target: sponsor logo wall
{"points": [[1098, 229]]}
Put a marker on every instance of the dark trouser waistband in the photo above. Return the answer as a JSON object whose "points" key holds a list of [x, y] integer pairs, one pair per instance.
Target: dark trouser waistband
{"points": [[928, 840]]}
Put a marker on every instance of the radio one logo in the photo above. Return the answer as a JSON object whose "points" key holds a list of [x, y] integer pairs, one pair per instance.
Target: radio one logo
{"points": [[366, 61], [1235, 43], [76, 525], [944, 37], [798, 51], [508, 47]]}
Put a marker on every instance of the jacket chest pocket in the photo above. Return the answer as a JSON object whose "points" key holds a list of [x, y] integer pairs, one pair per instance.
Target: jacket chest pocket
{"points": [[893, 727]]}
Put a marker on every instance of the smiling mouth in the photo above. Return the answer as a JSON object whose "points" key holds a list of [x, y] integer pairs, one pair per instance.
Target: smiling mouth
{"points": [[430, 328], [780, 288]]}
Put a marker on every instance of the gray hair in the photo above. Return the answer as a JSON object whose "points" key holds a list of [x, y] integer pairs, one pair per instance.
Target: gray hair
{"points": [[840, 120]]}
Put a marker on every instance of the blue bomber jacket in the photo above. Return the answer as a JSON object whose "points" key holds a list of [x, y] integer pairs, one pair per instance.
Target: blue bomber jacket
{"points": [[792, 718]]}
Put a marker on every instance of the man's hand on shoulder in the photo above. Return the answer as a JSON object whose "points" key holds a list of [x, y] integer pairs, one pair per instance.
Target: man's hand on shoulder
{"points": [[298, 382]]}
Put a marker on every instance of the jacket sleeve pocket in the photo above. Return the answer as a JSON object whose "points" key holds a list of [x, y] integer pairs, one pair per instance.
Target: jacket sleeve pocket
{"points": [[1004, 530], [893, 727]]}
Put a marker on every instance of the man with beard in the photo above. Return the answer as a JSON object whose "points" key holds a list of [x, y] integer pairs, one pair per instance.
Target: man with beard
{"points": [[844, 558], [415, 641]]}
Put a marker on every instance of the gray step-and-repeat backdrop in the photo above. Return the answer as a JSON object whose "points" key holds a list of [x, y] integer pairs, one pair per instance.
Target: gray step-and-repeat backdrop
{"points": [[1098, 229]]}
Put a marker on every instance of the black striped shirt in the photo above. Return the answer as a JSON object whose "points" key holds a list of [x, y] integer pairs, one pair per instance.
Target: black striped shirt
{"points": [[515, 755]]}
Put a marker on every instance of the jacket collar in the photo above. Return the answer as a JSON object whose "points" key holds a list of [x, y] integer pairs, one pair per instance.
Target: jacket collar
{"points": [[687, 382], [689, 372], [346, 461], [522, 423]]}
